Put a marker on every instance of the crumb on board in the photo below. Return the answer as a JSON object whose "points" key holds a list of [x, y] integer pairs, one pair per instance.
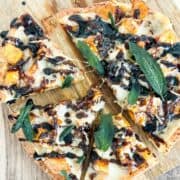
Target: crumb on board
{"points": [[23, 3]]}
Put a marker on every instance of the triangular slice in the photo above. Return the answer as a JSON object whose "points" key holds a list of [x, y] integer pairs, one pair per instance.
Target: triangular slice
{"points": [[103, 33], [61, 133], [30, 62], [125, 158]]}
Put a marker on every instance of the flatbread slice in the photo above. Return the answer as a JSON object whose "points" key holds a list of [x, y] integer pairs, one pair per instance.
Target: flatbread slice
{"points": [[31, 62], [124, 159], [103, 32], [61, 133]]}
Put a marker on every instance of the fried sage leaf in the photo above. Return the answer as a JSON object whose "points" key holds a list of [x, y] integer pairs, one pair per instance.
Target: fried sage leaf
{"points": [[65, 132], [150, 68], [27, 129], [23, 121], [92, 59], [104, 134], [113, 24], [67, 82], [134, 93]]}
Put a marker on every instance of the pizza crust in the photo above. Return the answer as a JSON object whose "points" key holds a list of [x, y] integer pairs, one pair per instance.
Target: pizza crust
{"points": [[53, 21], [165, 34]]}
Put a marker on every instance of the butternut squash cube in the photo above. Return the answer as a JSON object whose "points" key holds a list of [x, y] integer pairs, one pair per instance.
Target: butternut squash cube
{"points": [[12, 54], [11, 78]]}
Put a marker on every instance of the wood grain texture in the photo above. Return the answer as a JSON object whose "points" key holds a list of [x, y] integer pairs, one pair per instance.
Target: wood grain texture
{"points": [[14, 163]]}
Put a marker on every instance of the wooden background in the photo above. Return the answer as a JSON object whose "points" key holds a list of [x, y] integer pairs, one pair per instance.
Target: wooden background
{"points": [[14, 163]]}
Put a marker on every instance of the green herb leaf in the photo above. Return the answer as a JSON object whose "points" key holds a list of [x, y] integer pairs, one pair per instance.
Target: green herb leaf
{"points": [[134, 93], [150, 68], [80, 159], [23, 121], [24, 113], [67, 82], [27, 129], [65, 132], [92, 59], [113, 24], [64, 173], [105, 132]]}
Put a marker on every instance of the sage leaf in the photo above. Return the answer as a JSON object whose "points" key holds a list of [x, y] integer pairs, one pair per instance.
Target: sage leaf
{"points": [[67, 82], [134, 93], [80, 159], [24, 113], [64, 173], [92, 59], [150, 68], [23, 121], [113, 24], [65, 132], [104, 134], [27, 129]]}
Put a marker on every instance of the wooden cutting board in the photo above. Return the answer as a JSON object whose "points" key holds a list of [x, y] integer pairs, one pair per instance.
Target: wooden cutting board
{"points": [[14, 163]]}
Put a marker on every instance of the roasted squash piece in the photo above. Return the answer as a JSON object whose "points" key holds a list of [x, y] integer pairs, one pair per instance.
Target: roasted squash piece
{"points": [[90, 42], [101, 165], [12, 54], [104, 12], [140, 7], [11, 78]]}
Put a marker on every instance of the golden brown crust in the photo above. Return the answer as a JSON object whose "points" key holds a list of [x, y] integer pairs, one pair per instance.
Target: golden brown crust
{"points": [[94, 8], [53, 21], [175, 137]]}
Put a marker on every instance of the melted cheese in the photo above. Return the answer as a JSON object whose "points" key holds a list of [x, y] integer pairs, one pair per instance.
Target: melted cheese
{"points": [[115, 172], [105, 154], [120, 93], [75, 167], [19, 34], [61, 110], [128, 25], [98, 106], [154, 25]]}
